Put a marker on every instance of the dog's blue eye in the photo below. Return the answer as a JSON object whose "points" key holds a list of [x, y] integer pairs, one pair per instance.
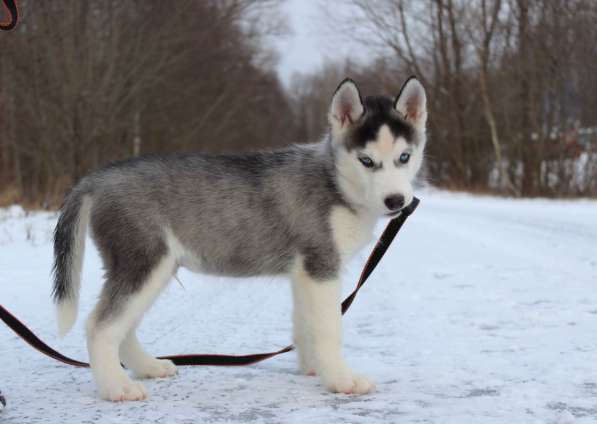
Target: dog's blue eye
{"points": [[367, 162], [404, 157]]}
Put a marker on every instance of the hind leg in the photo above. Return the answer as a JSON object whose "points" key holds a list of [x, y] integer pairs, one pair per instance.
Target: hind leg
{"points": [[141, 363], [120, 309]]}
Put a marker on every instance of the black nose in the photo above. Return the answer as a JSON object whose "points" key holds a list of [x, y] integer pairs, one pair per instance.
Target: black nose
{"points": [[394, 202]]}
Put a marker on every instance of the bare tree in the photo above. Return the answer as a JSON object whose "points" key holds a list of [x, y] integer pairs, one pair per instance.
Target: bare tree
{"points": [[482, 27], [84, 83], [502, 78]]}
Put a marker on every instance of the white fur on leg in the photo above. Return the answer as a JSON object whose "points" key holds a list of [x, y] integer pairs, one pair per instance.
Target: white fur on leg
{"points": [[105, 337], [113, 383], [141, 363], [301, 338], [322, 321]]}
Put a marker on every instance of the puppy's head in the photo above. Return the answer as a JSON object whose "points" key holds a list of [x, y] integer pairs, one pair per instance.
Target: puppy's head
{"points": [[378, 143]]}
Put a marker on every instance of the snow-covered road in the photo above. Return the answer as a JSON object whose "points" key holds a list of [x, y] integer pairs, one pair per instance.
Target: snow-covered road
{"points": [[484, 311]]}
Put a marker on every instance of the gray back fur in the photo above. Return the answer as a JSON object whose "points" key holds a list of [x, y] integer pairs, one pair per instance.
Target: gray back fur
{"points": [[240, 215]]}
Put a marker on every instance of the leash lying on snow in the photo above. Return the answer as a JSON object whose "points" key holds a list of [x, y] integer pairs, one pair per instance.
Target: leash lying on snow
{"points": [[212, 359]]}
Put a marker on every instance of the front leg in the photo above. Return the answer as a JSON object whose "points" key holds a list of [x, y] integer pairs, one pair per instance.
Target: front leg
{"points": [[319, 302], [301, 338]]}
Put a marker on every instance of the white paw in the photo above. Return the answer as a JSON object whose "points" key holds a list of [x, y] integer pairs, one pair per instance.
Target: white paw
{"points": [[306, 364], [125, 390], [307, 370], [156, 368], [348, 383]]}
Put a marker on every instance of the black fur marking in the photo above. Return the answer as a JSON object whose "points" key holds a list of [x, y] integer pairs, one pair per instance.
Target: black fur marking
{"points": [[379, 111], [64, 240]]}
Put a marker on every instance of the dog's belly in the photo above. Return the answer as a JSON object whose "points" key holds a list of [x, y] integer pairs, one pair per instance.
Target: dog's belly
{"points": [[237, 266], [192, 263], [232, 260]]}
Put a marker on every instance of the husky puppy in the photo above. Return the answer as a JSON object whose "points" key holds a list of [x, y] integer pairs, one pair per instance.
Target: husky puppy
{"points": [[301, 211]]}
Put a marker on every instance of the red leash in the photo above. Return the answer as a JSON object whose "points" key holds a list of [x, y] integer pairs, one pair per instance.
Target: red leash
{"points": [[213, 359]]}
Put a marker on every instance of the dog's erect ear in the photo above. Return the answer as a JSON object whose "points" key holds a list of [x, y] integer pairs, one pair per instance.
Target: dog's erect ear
{"points": [[411, 102], [347, 106]]}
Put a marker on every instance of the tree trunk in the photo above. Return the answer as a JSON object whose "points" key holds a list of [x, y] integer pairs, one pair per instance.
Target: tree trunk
{"points": [[136, 133], [529, 139]]}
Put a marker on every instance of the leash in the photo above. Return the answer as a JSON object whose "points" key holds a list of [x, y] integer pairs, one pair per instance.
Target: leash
{"points": [[226, 360]]}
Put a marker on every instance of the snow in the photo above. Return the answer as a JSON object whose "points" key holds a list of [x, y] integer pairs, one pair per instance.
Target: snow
{"points": [[483, 311]]}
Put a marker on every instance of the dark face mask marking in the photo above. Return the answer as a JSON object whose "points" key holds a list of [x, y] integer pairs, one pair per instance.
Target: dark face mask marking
{"points": [[378, 111]]}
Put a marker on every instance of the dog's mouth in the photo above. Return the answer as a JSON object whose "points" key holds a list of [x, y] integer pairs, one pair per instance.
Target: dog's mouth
{"points": [[394, 214]]}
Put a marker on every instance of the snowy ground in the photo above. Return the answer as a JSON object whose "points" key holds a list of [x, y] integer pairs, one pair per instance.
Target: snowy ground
{"points": [[484, 311]]}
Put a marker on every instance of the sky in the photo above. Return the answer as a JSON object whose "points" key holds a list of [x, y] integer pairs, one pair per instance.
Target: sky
{"points": [[311, 41], [304, 48]]}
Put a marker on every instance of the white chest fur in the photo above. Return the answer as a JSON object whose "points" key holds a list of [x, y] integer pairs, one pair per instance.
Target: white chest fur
{"points": [[351, 231]]}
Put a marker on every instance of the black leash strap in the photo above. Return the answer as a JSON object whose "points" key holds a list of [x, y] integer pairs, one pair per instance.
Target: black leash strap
{"points": [[13, 15], [228, 360]]}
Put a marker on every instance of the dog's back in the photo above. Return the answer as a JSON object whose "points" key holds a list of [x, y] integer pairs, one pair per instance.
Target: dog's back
{"points": [[240, 215]]}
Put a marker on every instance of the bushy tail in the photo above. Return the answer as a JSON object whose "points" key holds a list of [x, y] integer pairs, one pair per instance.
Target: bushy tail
{"points": [[69, 248]]}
